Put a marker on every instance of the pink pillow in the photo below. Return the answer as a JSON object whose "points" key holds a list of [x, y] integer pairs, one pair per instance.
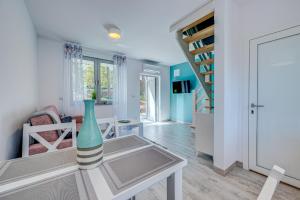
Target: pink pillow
{"points": [[52, 108], [50, 136]]}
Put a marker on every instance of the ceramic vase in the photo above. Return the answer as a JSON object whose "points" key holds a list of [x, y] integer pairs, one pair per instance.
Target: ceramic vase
{"points": [[89, 140]]}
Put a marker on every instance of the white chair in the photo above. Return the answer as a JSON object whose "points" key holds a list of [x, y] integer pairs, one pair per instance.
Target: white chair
{"points": [[32, 131], [110, 123], [271, 183]]}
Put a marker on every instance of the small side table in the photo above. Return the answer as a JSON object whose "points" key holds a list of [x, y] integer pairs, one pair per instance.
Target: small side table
{"points": [[132, 123]]}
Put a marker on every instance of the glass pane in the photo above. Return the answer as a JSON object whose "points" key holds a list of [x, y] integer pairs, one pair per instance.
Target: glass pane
{"points": [[151, 98], [106, 82], [278, 123], [88, 79], [143, 98]]}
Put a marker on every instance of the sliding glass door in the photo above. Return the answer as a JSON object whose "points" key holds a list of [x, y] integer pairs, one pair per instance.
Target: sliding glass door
{"points": [[148, 98]]}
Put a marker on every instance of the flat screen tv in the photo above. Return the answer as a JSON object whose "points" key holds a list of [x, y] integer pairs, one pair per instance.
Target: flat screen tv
{"points": [[181, 87]]}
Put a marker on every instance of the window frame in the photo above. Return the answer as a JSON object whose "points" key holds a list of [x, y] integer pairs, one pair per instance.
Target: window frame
{"points": [[97, 78]]}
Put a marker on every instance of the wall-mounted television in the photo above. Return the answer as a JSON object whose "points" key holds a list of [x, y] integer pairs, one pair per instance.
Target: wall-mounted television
{"points": [[181, 87]]}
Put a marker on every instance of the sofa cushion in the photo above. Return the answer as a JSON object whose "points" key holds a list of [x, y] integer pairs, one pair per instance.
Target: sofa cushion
{"points": [[78, 126], [52, 108], [78, 118], [53, 112]]}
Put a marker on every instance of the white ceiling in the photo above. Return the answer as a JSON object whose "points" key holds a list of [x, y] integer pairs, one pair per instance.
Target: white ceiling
{"points": [[144, 24]]}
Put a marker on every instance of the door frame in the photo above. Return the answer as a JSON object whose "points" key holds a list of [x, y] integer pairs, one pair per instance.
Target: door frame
{"points": [[252, 98], [157, 93]]}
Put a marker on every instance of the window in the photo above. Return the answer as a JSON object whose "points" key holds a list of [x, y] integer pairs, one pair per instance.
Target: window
{"points": [[98, 79], [88, 78]]}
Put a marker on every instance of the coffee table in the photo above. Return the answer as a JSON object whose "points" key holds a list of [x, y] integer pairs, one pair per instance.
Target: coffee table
{"points": [[131, 165]]}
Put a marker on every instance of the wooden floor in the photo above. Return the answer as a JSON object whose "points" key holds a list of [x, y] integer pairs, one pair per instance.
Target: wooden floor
{"points": [[199, 180]]}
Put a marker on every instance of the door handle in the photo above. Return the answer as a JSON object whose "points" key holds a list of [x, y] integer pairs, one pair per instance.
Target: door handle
{"points": [[256, 106]]}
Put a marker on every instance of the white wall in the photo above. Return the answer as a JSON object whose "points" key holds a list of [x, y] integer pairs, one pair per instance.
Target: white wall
{"points": [[134, 68], [237, 22], [165, 114], [50, 62], [260, 17], [18, 77], [227, 81]]}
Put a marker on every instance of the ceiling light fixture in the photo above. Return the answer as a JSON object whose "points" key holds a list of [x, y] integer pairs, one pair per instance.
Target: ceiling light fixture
{"points": [[114, 32]]}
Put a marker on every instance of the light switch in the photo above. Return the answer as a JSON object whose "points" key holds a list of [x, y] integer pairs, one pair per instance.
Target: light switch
{"points": [[176, 72]]}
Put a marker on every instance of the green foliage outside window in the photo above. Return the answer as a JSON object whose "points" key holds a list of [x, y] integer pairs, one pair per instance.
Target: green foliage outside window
{"points": [[98, 86]]}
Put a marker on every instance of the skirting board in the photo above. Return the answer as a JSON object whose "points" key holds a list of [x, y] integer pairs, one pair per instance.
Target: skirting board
{"points": [[226, 171], [182, 122], [205, 156]]}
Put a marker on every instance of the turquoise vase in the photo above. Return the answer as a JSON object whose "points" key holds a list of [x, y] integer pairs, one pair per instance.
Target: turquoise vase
{"points": [[89, 139]]}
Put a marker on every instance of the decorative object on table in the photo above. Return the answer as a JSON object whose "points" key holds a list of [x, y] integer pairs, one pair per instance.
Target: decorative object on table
{"points": [[89, 140]]}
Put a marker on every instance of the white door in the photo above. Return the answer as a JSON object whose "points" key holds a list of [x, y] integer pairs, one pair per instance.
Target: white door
{"points": [[274, 104]]}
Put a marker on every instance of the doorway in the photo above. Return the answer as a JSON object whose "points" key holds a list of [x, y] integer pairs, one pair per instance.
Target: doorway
{"points": [[148, 98], [274, 109]]}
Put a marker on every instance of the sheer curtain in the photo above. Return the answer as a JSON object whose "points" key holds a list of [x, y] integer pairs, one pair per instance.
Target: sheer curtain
{"points": [[73, 83], [120, 87]]}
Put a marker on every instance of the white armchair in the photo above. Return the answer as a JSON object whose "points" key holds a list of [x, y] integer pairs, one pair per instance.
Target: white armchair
{"points": [[271, 183]]}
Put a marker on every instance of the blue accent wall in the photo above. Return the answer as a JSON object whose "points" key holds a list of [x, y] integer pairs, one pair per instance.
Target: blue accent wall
{"points": [[181, 104]]}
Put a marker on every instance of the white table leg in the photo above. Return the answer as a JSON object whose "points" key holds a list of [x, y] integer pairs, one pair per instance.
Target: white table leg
{"points": [[174, 186]]}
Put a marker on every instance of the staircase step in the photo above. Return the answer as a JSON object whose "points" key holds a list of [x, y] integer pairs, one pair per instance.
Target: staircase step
{"points": [[205, 49], [205, 33], [206, 17], [205, 62], [200, 100], [209, 107], [207, 73]]}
